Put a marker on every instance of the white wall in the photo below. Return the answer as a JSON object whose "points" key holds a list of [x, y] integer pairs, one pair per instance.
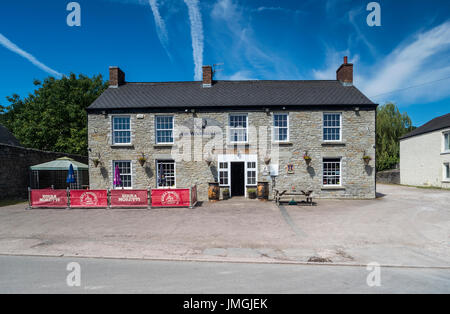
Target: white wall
{"points": [[422, 160]]}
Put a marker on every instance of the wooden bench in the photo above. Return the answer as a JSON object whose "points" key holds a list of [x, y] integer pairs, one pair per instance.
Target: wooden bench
{"points": [[307, 194]]}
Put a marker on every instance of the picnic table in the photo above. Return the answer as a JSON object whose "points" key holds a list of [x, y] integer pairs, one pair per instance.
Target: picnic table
{"points": [[306, 193]]}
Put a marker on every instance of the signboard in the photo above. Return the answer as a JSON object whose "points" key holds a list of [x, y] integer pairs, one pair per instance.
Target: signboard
{"points": [[88, 198], [170, 198], [129, 198], [49, 198]]}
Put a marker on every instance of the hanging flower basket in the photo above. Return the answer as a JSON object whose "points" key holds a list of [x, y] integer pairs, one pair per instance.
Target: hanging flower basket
{"points": [[96, 162], [367, 159], [142, 160], [307, 159]]}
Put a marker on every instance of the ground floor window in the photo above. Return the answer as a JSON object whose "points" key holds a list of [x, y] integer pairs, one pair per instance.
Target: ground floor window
{"points": [[223, 173], [165, 173], [251, 173], [447, 171], [331, 171], [124, 169]]}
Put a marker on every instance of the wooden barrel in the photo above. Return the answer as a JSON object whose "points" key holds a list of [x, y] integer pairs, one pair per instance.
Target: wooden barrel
{"points": [[263, 191], [214, 191]]}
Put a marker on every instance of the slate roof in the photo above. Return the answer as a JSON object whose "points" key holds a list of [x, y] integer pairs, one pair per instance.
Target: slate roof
{"points": [[436, 124], [229, 94], [6, 137]]}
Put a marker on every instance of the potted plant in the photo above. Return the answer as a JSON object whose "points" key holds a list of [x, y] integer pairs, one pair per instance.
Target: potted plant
{"points": [[367, 159], [142, 160], [226, 194], [251, 193]]}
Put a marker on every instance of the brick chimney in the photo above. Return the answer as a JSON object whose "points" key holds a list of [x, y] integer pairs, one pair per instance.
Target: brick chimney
{"points": [[207, 75], [345, 73], [116, 77]]}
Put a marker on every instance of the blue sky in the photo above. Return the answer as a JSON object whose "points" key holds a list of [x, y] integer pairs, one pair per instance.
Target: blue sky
{"points": [[169, 40]]}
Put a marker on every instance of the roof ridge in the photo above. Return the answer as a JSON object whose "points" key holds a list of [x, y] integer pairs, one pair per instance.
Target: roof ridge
{"points": [[233, 81]]}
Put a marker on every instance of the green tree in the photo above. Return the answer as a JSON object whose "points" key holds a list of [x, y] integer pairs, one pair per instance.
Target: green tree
{"points": [[391, 125], [54, 118]]}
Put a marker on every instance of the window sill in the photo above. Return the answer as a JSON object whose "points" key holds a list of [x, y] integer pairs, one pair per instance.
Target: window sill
{"points": [[446, 181], [238, 144], [445, 153], [282, 143], [333, 188], [333, 143], [122, 145], [163, 145]]}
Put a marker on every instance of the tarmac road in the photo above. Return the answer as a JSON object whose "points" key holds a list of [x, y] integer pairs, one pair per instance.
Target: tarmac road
{"points": [[27, 274]]}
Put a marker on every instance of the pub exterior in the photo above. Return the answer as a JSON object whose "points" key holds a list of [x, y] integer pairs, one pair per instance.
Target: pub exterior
{"points": [[306, 135]]}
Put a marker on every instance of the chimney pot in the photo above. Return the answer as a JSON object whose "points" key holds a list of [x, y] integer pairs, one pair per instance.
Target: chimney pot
{"points": [[116, 77], [207, 76], [345, 73]]}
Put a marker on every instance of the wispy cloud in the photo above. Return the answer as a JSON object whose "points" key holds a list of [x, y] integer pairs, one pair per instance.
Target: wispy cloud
{"points": [[277, 9], [5, 42], [261, 62], [195, 19], [161, 29], [421, 59]]}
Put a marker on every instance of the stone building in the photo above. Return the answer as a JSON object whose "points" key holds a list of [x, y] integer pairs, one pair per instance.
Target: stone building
{"points": [[307, 135]]}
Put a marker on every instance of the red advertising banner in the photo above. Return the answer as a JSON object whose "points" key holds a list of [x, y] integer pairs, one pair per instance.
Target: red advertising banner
{"points": [[88, 198], [49, 198], [129, 198], [170, 198]]}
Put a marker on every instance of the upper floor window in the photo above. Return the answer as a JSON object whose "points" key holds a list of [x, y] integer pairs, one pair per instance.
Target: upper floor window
{"points": [[124, 169], [331, 171], [280, 127], [164, 129], [332, 126], [447, 142], [238, 128], [121, 129]]}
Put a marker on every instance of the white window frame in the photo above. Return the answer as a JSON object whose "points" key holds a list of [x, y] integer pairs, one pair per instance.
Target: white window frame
{"points": [[174, 173], [226, 171], [340, 172], [340, 127], [230, 128], [445, 149], [156, 129], [444, 174], [113, 142], [131, 174], [247, 169], [276, 140]]}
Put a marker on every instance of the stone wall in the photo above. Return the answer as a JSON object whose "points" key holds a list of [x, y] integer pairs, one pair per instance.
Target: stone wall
{"points": [[358, 138], [389, 176], [14, 168]]}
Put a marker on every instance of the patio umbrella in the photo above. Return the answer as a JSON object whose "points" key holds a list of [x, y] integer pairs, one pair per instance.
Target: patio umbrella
{"points": [[117, 180], [161, 175], [70, 176]]}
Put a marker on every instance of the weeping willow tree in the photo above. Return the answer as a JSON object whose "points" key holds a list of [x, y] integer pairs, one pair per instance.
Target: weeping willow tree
{"points": [[391, 125]]}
